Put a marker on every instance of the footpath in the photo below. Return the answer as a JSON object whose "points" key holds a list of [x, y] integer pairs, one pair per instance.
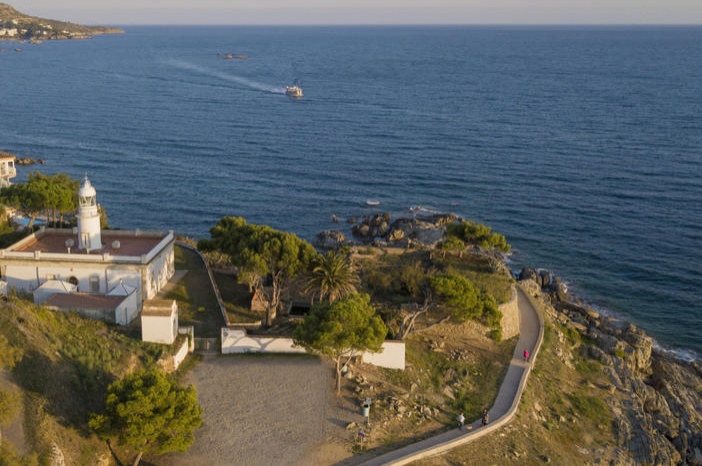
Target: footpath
{"points": [[531, 333]]}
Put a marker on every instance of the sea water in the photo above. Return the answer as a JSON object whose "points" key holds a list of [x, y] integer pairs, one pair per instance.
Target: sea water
{"points": [[581, 144]]}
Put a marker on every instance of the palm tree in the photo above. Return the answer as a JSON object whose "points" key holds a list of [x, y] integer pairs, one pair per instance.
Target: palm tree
{"points": [[334, 277]]}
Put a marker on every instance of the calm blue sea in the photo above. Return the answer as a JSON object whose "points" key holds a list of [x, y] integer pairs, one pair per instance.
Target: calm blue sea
{"points": [[583, 145]]}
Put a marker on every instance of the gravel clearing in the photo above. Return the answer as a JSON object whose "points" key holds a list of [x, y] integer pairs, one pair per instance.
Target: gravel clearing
{"points": [[263, 410]]}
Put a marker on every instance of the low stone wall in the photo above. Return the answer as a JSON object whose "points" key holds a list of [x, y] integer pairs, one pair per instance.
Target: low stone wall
{"points": [[510, 317], [181, 354]]}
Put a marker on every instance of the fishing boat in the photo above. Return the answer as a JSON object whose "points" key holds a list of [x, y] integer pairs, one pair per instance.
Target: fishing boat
{"points": [[293, 91]]}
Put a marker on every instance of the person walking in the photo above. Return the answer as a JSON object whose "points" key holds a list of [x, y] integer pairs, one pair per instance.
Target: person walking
{"points": [[526, 355], [461, 420], [485, 417]]}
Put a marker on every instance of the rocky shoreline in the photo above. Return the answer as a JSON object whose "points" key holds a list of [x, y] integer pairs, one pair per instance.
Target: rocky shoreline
{"points": [[656, 397]]}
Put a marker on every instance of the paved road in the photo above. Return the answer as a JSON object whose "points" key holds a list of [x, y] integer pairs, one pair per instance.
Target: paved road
{"points": [[505, 407]]}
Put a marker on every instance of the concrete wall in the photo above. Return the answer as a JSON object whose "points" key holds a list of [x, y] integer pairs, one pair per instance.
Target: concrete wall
{"points": [[127, 310], [510, 317], [392, 356], [181, 354], [237, 341], [160, 270]]}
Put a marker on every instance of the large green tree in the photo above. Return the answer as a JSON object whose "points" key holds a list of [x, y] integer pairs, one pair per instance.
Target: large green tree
{"points": [[464, 300], [59, 192], [25, 200], [54, 194], [341, 330], [261, 253], [148, 412], [477, 234], [332, 278]]}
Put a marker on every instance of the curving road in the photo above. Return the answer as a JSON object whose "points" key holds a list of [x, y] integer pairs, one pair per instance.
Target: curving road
{"points": [[531, 332]]}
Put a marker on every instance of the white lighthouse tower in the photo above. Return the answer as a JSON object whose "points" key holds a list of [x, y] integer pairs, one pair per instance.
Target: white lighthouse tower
{"points": [[88, 218]]}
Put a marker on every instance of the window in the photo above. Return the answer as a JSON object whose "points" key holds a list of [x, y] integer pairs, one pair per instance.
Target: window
{"points": [[94, 284]]}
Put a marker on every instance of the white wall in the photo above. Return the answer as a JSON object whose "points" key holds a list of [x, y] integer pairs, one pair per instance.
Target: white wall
{"points": [[161, 269], [127, 310], [29, 276], [237, 341], [392, 356], [180, 355]]}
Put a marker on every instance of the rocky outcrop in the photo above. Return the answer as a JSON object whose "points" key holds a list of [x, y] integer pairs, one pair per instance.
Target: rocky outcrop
{"points": [[404, 232], [329, 240], [656, 398]]}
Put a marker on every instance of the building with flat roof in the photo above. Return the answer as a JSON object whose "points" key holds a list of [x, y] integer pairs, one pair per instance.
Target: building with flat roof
{"points": [[100, 264], [7, 168]]}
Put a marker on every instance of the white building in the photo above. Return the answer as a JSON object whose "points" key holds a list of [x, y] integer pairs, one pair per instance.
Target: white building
{"points": [[7, 169], [159, 321], [122, 268]]}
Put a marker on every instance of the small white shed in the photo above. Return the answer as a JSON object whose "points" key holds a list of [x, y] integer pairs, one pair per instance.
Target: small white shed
{"points": [[159, 321]]}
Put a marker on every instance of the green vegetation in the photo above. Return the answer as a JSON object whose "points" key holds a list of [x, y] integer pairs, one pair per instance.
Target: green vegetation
{"points": [[84, 358], [478, 235], [55, 194], [194, 292], [464, 301], [341, 329], [262, 254], [148, 412], [592, 407], [332, 278], [60, 364]]}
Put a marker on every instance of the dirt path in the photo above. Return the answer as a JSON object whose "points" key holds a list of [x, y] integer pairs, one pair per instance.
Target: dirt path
{"points": [[263, 410]]}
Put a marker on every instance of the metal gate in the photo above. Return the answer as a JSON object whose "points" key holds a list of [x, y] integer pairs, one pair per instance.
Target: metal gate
{"points": [[207, 345]]}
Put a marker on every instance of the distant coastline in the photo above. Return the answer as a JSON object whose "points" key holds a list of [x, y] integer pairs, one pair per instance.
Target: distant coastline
{"points": [[19, 26]]}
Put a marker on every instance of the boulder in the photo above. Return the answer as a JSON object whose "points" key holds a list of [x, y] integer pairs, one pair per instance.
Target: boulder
{"points": [[329, 239]]}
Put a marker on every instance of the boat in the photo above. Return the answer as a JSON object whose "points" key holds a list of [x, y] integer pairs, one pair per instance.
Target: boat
{"points": [[293, 91], [372, 202]]}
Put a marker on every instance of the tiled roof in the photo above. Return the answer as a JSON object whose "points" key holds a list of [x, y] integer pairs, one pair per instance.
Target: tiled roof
{"points": [[79, 301], [53, 241]]}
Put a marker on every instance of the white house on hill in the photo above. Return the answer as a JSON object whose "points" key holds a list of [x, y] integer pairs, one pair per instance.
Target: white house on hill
{"points": [[126, 268]]}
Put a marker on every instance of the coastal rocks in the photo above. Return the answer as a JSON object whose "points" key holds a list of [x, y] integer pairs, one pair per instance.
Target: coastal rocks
{"points": [[547, 281], [329, 240], [29, 161], [23, 160], [655, 398], [403, 232]]}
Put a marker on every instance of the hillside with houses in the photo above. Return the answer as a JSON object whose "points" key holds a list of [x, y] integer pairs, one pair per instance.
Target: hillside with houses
{"points": [[15, 25]]}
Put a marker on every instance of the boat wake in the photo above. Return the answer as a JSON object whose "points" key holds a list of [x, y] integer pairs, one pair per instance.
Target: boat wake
{"points": [[227, 77]]}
